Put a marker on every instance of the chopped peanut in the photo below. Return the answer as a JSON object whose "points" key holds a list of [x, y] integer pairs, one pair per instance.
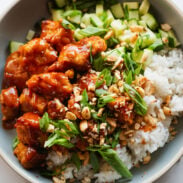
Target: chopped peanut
{"points": [[167, 111], [109, 34], [70, 116], [86, 114], [83, 125], [146, 159]]}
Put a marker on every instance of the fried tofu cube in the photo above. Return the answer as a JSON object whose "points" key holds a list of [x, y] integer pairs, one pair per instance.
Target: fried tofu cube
{"points": [[28, 156], [31, 102], [28, 130], [55, 34], [77, 55], [9, 106], [51, 85]]}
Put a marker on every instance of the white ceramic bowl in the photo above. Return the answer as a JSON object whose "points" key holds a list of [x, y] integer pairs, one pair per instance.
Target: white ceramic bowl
{"points": [[14, 24]]}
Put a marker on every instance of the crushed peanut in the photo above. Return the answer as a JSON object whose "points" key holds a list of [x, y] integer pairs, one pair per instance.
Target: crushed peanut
{"points": [[86, 114], [83, 125], [70, 116]]}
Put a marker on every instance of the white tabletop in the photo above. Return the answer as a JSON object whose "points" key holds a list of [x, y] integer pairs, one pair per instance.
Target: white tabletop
{"points": [[8, 175]]}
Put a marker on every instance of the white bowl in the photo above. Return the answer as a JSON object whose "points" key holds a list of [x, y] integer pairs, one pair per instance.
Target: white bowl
{"points": [[17, 19]]}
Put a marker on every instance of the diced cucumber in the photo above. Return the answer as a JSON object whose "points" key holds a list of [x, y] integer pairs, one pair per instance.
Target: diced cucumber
{"points": [[131, 5], [57, 14], [99, 9], [77, 35], [144, 7], [137, 55], [142, 56], [172, 40], [163, 34], [14, 45], [118, 27], [157, 45], [147, 39], [86, 19], [126, 37], [60, 3], [117, 10], [132, 22], [95, 20], [30, 35], [109, 19], [150, 21], [147, 56], [133, 14], [76, 19], [143, 23]]}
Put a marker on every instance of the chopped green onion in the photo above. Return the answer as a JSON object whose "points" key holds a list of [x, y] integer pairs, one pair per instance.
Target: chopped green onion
{"points": [[140, 105], [15, 142], [44, 122], [112, 158], [92, 31], [94, 161]]}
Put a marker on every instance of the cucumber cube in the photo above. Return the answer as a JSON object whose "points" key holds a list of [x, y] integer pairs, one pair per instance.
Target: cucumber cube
{"points": [[117, 10], [150, 21], [133, 14], [14, 45], [99, 9], [57, 14], [60, 3], [118, 27], [131, 5], [144, 7]]}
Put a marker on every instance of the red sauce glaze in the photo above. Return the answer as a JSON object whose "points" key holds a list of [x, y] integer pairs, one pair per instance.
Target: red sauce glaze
{"points": [[28, 130], [28, 156], [10, 106], [55, 34], [123, 108], [14, 73], [29, 119], [56, 109], [51, 85], [31, 102], [77, 55], [31, 58]]}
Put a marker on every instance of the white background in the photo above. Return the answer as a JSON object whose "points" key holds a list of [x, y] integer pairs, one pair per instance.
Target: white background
{"points": [[7, 175]]}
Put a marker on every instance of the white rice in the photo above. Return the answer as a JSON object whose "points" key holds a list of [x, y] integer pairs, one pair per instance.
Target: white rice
{"points": [[166, 73]]}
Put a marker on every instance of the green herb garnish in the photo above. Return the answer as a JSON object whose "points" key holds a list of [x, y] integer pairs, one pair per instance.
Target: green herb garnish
{"points": [[92, 31], [44, 122], [94, 161], [15, 142], [140, 105], [75, 159], [104, 76]]}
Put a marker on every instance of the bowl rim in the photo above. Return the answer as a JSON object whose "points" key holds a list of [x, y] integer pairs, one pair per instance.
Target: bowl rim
{"points": [[28, 177]]}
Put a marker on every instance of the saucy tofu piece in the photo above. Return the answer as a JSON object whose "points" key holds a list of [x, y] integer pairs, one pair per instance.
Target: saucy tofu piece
{"points": [[29, 157], [36, 55], [51, 85], [31, 58], [28, 130], [124, 108], [31, 102], [14, 73], [55, 34], [77, 55], [56, 109], [9, 106]]}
